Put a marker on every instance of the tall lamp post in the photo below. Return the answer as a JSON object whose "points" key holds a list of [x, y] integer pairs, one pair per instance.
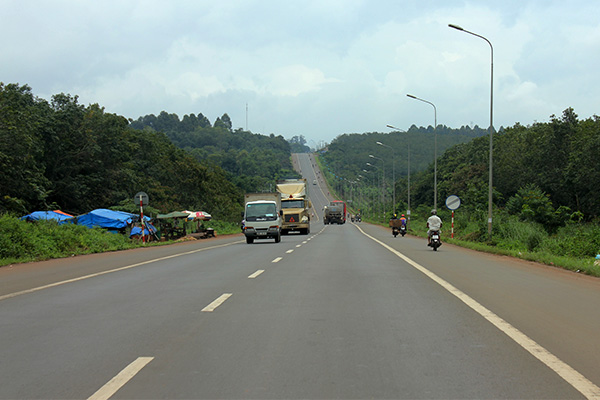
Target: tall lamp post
{"points": [[491, 129], [393, 174], [408, 178], [378, 185], [434, 147], [382, 181], [373, 184]]}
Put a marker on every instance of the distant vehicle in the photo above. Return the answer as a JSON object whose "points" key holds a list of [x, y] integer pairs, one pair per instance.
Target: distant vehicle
{"points": [[295, 205], [314, 182], [262, 217], [335, 213]]}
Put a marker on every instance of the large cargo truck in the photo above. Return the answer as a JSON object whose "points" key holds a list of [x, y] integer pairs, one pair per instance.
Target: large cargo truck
{"points": [[295, 204], [262, 216], [335, 213]]}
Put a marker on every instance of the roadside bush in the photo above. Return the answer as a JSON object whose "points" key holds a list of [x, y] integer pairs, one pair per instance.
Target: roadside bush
{"points": [[22, 241], [513, 234], [575, 240]]}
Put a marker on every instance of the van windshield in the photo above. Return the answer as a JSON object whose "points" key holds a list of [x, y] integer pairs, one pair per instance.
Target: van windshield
{"points": [[266, 212]]}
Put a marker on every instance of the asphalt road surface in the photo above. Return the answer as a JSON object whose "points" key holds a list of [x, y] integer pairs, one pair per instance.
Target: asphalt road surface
{"points": [[345, 312]]}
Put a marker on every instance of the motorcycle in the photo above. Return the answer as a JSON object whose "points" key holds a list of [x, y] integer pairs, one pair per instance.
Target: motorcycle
{"points": [[395, 231], [403, 230], [435, 240]]}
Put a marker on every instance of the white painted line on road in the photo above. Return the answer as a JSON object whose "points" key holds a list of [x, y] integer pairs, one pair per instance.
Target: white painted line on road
{"points": [[81, 278], [212, 306], [257, 273], [277, 260], [304, 242], [116, 383], [565, 371], [298, 245], [290, 251]]}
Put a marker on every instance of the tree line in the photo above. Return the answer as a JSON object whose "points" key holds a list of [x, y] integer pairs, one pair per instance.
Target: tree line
{"points": [[545, 172], [253, 162], [59, 154]]}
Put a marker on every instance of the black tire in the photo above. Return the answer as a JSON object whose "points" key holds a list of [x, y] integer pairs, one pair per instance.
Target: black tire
{"points": [[249, 240], [278, 238]]}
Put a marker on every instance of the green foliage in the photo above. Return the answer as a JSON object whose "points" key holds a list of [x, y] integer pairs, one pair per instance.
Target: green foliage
{"points": [[298, 144], [531, 204], [253, 162], [65, 155], [575, 240], [22, 241], [556, 162]]}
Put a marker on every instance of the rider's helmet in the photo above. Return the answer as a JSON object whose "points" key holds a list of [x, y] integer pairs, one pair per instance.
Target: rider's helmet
{"points": [[403, 215], [433, 212]]}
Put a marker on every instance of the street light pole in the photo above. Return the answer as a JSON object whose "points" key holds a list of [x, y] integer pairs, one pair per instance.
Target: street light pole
{"points": [[491, 129], [382, 182], [408, 177], [434, 147], [373, 184], [393, 175]]}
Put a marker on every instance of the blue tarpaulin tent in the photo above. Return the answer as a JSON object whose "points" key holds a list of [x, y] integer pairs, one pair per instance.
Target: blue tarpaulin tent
{"points": [[104, 218], [136, 230], [47, 215]]}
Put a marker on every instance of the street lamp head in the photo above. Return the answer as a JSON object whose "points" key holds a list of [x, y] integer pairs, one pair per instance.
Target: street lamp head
{"points": [[411, 96], [379, 143], [371, 155], [369, 164], [456, 27]]}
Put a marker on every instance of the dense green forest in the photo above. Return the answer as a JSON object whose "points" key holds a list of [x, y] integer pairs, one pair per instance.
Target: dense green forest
{"points": [[348, 154], [63, 155], [547, 172], [253, 162]]}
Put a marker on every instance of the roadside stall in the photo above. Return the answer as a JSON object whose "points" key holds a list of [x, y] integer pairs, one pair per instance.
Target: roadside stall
{"points": [[56, 215], [200, 232], [171, 226]]}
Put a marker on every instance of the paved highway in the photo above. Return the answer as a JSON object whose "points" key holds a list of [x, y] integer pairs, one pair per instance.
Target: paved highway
{"points": [[347, 311]]}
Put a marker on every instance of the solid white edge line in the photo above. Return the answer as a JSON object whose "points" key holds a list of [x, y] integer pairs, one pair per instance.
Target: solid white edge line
{"points": [[36, 289], [257, 273], [565, 371], [220, 300], [116, 383], [277, 260]]}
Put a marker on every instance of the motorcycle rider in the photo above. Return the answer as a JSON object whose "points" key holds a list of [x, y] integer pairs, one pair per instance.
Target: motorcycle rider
{"points": [[434, 223], [403, 220]]}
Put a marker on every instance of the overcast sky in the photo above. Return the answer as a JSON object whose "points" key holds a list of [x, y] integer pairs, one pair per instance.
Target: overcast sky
{"points": [[314, 68]]}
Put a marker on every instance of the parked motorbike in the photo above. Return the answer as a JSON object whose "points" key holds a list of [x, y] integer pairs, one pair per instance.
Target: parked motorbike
{"points": [[435, 240]]}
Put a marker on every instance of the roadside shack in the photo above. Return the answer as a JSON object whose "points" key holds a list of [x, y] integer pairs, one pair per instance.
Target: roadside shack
{"points": [[198, 218], [172, 226]]}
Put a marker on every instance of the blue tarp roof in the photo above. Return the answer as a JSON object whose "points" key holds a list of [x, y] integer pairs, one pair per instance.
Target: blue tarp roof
{"points": [[106, 219], [46, 215], [136, 230]]}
